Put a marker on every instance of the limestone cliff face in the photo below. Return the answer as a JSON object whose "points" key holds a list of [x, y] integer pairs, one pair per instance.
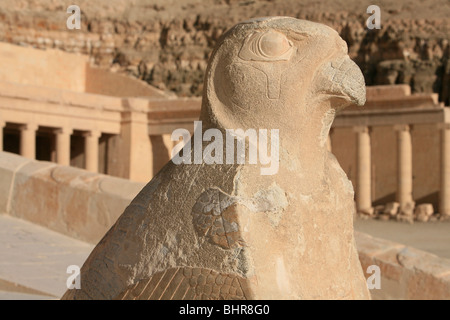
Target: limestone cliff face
{"points": [[167, 43]]}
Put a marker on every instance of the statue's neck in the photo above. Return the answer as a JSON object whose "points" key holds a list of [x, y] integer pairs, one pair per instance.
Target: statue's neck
{"points": [[307, 144], [303, 141]]}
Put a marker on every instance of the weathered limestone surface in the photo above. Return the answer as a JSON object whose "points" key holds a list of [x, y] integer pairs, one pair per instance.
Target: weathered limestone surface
{"points": [[220, 231], [406, 273]]}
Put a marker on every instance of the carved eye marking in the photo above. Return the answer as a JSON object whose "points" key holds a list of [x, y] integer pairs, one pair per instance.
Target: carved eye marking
{"points": [[267, 46]]}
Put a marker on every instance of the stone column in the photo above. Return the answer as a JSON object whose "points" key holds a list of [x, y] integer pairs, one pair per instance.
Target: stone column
{"points": [[28, 141], [363, 170], [404, 166], [91, 150], [444, 205], [2, 125], [63, 146], [137, 150]]}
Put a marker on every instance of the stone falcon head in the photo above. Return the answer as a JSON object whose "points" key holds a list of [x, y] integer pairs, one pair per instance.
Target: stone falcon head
{"points": [[278, 72]]}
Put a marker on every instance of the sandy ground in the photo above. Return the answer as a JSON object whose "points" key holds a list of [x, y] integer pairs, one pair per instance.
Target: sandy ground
{"points": [[433, 237], [34, 260]]}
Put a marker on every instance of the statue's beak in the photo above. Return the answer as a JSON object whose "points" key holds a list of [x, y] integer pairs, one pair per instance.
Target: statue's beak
{"points": [[342, 78]]}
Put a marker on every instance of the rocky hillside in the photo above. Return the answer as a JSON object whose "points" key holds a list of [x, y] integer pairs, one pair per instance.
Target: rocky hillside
{"points": [[167, 42]]}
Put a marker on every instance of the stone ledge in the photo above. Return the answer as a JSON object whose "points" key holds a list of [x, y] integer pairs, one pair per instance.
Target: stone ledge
{"points": [[392, 91], [59, 97], [406, 273], [68, 200], [9, 164]]}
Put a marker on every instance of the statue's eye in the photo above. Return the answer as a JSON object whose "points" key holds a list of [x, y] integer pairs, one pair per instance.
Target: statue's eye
{"points": [[266, 46]]}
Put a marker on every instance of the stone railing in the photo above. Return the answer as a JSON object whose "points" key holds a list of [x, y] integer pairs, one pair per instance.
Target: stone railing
{"points": [[406, 273], [72, 201], [84, 205]]}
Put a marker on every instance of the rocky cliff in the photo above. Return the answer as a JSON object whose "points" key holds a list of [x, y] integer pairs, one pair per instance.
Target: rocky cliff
{"points": [[167, 43]]}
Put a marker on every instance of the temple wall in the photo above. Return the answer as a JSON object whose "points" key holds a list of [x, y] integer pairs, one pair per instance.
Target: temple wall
{"points": [[426, 143], [103, 81], [48, 68]]}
